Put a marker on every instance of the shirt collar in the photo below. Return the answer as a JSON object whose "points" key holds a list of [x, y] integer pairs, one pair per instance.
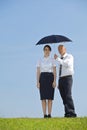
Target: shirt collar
{"points": [[64, 55], [47, 57]]}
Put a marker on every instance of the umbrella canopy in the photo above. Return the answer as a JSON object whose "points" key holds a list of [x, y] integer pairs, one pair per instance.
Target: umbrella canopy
{"points": [[53, 39]]}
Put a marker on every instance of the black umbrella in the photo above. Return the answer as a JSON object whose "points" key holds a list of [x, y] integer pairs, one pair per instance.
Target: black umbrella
{"points": [[53, 39]]}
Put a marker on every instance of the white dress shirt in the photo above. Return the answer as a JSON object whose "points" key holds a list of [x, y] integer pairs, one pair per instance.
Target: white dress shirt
{"points": [[46, 64], [67, 64]]}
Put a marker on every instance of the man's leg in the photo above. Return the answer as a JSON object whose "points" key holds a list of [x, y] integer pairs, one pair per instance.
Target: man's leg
{"points": [[62, 90], [69, 106]]}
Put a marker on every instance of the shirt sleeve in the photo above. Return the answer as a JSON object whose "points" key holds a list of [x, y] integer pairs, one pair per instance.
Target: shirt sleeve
{"points": [[38, 63], [54, 63], [68, 61]]}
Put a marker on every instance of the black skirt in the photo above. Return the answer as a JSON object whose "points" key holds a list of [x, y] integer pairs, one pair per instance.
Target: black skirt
{"points": [[46, 88]]}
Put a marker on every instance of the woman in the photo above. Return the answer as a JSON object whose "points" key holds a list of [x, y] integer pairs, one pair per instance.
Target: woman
{"points": [[46, 80]]}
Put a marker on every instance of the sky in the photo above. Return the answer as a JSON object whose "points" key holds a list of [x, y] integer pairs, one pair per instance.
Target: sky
{"points": [[22, 24]]}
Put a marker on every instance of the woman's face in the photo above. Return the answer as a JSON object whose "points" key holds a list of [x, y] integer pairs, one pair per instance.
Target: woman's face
{"points": [[46, 51]]}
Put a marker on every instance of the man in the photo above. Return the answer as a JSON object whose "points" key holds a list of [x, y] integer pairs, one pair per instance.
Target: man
{"points": [[65, 80]]}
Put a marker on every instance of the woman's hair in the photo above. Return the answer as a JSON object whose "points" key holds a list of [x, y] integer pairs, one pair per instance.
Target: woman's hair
{"points": [[47, 47]]}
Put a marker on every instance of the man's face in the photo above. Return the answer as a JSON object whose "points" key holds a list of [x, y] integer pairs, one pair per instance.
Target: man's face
{"points": [[61, 49]]}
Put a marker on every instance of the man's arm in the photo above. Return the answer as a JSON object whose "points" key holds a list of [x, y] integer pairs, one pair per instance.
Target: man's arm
{"points": [[66, 62]]}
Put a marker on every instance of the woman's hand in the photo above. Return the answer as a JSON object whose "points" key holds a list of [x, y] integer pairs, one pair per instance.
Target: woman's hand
{"points": [[38, 85], [54, 84]]}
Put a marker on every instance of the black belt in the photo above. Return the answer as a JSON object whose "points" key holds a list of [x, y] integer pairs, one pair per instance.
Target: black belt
{"points": [[46, 72], [67, 76]]}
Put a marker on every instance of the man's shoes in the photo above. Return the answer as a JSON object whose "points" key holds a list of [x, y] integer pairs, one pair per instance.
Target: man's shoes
{"points": [[72, 115], [45, 116]]}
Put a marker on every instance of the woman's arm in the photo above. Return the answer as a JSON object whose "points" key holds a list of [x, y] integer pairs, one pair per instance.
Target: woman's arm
{"points": [[38, 77], [54, 72]]}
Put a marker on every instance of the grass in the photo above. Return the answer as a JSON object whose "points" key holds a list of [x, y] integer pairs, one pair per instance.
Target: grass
{"points": [[43, 124]]}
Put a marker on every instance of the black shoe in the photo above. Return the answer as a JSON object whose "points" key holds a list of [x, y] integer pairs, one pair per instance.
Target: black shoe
{"points": [[45, 116], [49, 116], [70, 115], [67, 115], [73, 115]]}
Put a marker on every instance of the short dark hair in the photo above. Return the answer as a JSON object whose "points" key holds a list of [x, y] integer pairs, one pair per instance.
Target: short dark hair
{"points": [[47, 47]]}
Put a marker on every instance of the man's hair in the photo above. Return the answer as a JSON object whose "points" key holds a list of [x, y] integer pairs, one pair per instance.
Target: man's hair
{"points": [[61, 45]]}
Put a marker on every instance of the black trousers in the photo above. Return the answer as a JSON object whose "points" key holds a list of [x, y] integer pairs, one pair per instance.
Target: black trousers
{"points": [[65, 88]]}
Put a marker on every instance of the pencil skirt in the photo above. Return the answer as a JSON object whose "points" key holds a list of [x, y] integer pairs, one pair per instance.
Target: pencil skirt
{"points": [[46, 88]]}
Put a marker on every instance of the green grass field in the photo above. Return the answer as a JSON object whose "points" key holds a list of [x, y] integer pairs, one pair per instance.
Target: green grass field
{"points": [[43, 124]]}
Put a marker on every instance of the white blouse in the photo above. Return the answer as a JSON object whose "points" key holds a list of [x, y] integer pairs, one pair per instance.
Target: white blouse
{"points": [[46, 64]]}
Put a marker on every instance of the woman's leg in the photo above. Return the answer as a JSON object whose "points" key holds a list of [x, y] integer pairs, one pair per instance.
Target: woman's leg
{"points": [[49, 107], [44, 106]]}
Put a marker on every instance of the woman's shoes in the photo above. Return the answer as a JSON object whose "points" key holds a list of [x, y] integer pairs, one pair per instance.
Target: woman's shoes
{"points": [[47, 116]]}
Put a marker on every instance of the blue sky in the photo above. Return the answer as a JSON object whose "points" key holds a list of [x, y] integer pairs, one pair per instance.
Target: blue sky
{"points": [[22, 24]]}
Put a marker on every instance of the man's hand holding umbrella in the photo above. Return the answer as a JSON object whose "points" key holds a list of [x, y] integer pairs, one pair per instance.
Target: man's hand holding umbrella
{"points": [[55, 56]]}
